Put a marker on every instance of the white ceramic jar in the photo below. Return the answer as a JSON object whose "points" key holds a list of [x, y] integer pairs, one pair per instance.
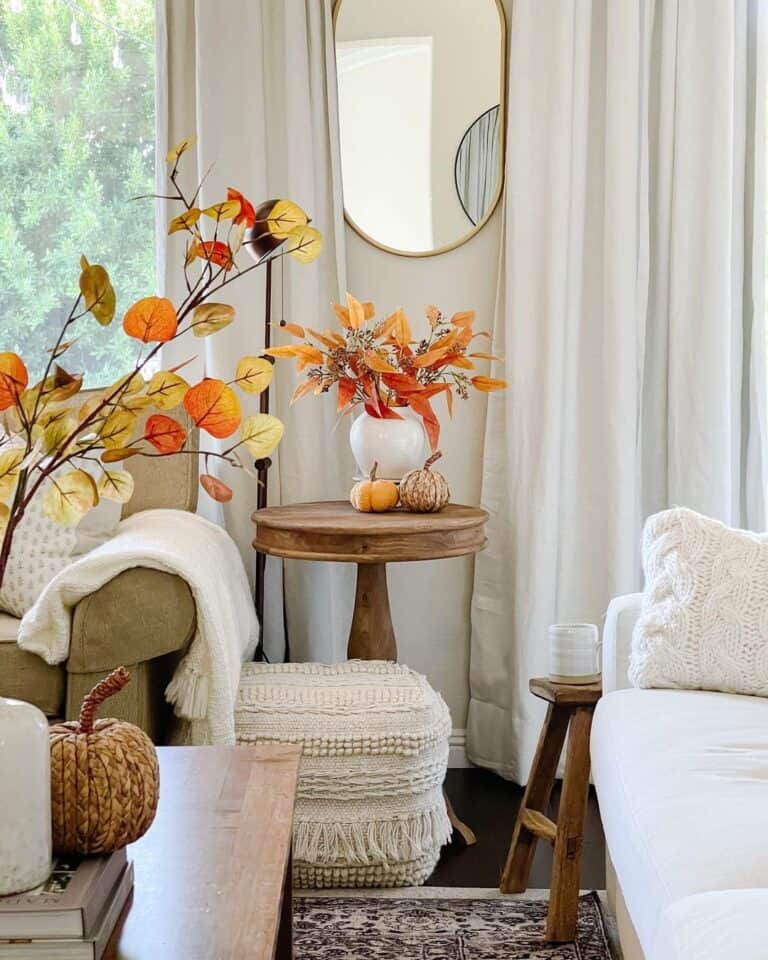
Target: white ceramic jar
{"points": [[397, 446], [25, 797], [574, 653]]}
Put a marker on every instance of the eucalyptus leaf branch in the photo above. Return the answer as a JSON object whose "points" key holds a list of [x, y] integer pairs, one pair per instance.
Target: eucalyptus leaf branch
{"points": [[48, 471], [19, 406], [82, 443], [194, 453], [53, 354], [234, 447], [195, 296], [259, 263], [113, 399], [200, 185], [14, 517]]}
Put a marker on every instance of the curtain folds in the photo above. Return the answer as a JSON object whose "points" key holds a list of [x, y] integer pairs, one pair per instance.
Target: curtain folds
{"points": [[255, 81], [632, 316]]}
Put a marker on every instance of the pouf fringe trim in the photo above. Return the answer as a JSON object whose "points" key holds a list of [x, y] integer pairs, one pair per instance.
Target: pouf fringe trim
{"points": [[375, 842], [308, 876]]}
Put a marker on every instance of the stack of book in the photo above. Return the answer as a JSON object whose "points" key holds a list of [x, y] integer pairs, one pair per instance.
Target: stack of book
{"points": [[72, 915]]}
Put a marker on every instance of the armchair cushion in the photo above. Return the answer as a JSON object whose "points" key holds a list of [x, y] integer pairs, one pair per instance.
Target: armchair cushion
{"points": [[26, 676], [139, 615], [164, 482]]}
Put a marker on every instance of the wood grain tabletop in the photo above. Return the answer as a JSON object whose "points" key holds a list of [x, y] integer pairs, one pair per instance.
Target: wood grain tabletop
{"points": [[334, 530], [211, 872], [340, 516]]}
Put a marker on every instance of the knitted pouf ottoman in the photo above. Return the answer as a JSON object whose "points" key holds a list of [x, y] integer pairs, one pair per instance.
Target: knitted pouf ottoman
{"points": [[370, 810]]}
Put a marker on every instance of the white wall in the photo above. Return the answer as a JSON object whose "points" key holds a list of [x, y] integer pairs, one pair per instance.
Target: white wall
{"points": [[431, 601]]}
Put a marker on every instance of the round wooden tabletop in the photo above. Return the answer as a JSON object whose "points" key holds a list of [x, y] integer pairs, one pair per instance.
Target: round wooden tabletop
{"points": [[334, 530]]}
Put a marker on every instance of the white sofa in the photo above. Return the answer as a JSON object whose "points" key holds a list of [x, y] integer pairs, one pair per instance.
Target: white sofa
{"points": [[682, 781]]}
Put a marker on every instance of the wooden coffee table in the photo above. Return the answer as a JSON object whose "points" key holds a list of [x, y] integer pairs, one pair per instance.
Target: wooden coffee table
{"points": [[334, 530], [213, 874]]}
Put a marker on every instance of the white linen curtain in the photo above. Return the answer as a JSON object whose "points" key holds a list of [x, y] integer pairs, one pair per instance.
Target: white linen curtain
{"points": [[254, 79], [632, 316]]}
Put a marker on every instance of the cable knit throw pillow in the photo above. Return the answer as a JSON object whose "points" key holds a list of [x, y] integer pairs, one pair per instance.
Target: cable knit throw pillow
{"points": [[704, 619], [41, 548]]}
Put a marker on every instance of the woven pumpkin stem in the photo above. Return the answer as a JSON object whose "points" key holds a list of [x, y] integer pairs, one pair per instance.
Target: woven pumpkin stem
{"points": [[105, 688], [433, 459]]}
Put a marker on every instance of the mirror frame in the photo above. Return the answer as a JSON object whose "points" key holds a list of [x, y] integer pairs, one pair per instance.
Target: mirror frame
{"points": [[502, 131]]}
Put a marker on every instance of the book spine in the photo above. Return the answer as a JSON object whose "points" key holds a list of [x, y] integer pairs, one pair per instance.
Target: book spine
{"points": [[94, 906], [113, 912]]}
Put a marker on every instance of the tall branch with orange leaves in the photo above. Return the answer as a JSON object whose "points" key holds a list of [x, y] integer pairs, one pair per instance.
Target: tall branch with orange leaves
{"points": [[379, 364], [56, 445]]}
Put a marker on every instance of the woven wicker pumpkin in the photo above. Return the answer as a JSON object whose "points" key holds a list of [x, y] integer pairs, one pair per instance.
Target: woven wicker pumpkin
{"points": [[425, 490], [104, 778]]}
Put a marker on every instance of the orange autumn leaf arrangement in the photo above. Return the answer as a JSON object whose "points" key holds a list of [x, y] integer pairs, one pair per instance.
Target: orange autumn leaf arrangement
{"points": [[379, 363], [69, 450]]}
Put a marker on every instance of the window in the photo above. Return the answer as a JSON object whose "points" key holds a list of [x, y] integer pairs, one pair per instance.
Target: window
{"points": [[77, 118]]}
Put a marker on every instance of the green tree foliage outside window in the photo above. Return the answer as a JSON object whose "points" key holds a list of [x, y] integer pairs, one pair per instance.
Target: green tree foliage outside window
{"points": [[77, 142]]}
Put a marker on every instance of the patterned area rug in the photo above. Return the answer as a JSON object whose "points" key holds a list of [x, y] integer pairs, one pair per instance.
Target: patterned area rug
{"points": [[350, 928]]}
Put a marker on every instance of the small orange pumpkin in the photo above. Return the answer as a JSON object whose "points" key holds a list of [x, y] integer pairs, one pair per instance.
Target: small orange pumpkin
{"points": [[104, 778], [374, 496]]}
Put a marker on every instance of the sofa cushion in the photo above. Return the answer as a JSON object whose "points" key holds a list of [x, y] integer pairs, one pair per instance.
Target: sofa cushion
{"points": [[25, 676], [682, 781], [722, 925]]}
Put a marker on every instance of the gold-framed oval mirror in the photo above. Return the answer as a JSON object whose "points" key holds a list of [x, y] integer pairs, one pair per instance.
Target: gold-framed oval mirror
{"points": [[421, 119]]}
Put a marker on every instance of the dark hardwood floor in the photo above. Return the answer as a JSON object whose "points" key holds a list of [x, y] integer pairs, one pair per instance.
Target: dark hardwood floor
{"points": [[489, 805]]}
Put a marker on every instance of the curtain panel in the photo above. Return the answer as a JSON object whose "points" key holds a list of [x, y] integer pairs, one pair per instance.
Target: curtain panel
{"points": [[255, 81], [631, 313]]}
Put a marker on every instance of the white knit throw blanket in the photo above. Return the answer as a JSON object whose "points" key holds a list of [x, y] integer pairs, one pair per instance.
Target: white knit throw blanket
{"points": [[204, 686]]}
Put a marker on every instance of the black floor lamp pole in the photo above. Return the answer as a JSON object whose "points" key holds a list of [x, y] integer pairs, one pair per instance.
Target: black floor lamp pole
{"points": [[262, 465]]}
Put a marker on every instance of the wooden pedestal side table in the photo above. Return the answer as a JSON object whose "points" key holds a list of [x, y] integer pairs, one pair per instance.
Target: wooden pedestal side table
{"points": [[336, 531], [568, 706]]}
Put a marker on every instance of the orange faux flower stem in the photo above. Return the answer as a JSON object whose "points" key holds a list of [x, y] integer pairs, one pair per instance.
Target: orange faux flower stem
{"points": [[105, 688]]}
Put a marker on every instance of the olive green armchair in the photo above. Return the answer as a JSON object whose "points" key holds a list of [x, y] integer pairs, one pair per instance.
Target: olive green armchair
{"points": [[143, 618]]}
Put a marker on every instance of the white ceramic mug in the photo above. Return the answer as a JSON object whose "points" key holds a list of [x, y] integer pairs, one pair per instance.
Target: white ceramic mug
{"points": [[574, 653]]}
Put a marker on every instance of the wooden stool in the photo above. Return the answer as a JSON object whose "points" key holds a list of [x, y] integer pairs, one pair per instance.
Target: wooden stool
{"points": [[574, 706]]}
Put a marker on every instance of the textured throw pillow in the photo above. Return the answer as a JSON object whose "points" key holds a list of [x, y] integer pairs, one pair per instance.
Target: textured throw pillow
{"points": [[704, 618], [41, 548]]}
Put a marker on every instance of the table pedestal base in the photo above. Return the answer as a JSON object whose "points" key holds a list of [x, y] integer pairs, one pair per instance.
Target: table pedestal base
{"points": [[371, 636]]}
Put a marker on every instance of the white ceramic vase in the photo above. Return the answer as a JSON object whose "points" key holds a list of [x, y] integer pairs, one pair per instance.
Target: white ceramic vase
{"points": [[25, 797], [397, 446]]}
